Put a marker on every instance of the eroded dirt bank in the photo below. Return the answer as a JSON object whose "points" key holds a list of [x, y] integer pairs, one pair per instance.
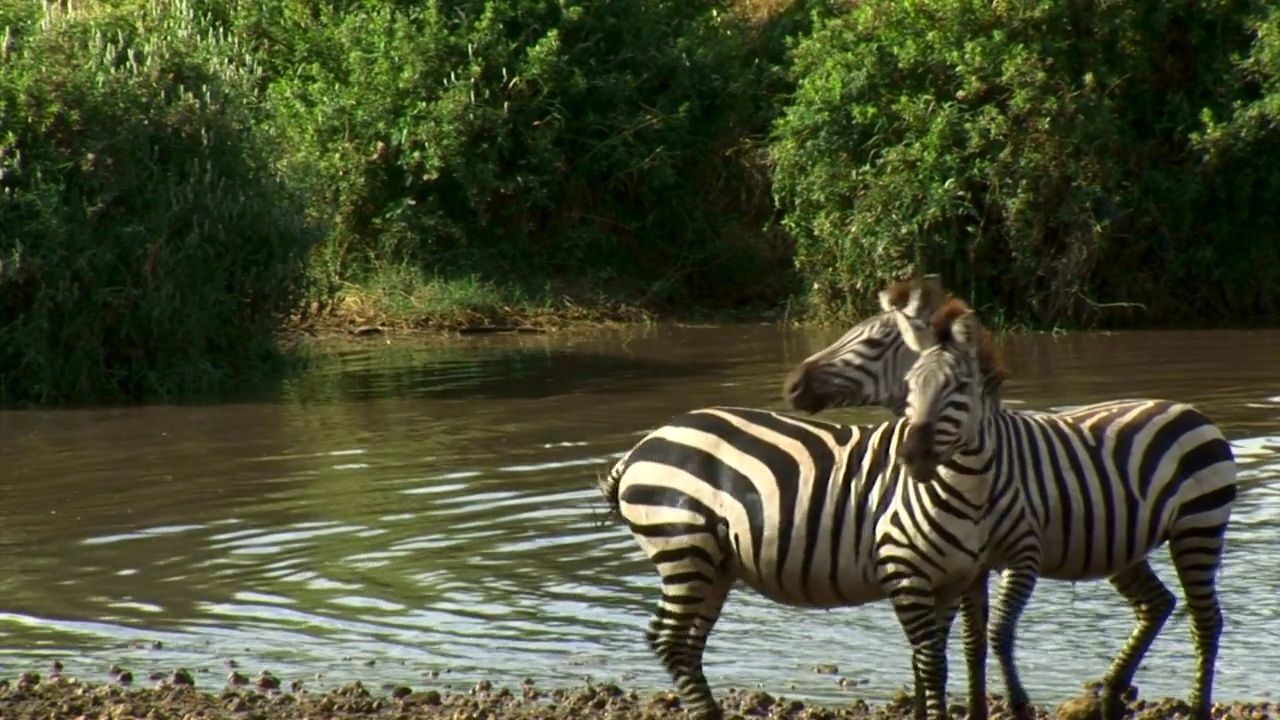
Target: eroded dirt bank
{"points": [[51, 695]]}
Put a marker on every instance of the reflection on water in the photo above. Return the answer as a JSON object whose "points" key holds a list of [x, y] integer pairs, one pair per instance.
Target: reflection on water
{"points": [[433, 508]]}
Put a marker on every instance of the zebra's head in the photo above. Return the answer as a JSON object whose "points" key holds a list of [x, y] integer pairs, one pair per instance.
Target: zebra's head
{"points": [[945, 402], [867, 365]]}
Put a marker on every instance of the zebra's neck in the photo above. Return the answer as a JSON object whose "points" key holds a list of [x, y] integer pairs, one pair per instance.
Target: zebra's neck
{"points": [[970, 471]]}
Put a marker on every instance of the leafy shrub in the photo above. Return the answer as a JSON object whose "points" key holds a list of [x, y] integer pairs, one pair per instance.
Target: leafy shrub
{"points": [[145, 247], [1046, 157]]}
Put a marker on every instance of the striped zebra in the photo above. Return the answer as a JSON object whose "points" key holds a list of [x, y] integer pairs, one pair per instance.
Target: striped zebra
{"points": [[1080, 495], [814, 514]]}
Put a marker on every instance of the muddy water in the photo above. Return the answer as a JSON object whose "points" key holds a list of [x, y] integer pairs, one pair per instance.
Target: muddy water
{"points": [[427, 506]]}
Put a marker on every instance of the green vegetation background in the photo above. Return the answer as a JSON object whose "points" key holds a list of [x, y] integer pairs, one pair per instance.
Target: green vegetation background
{"points": [[181, 179]]}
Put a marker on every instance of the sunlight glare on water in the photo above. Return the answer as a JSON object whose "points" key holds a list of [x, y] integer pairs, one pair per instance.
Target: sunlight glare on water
{"points": [[431, 506]]}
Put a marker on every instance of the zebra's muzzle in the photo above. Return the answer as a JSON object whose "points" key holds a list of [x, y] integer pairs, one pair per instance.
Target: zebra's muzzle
{"points": [[916, 453], [922, 471], [797, 391]]}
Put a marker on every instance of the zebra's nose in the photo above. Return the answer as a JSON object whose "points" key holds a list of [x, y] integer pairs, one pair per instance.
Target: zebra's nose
{"points": [[797, 391], [923, 470]]}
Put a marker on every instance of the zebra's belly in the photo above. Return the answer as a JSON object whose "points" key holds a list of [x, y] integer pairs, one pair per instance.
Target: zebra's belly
{"points": [[1076, 562], [850, 587]]}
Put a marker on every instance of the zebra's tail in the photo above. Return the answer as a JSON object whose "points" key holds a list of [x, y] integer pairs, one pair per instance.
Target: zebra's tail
{"points": [[609, 484]]}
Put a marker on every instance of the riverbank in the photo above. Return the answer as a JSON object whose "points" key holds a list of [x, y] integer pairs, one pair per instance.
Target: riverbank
{"points": [[176, 696], [473, 307], [476, 307]]}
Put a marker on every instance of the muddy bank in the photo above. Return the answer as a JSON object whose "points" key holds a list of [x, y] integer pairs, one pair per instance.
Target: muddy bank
{"points": [[264, 697]]}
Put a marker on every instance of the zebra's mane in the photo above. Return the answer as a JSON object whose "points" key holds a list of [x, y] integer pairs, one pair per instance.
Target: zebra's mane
{"points": [[989, 361], [899, 293]]}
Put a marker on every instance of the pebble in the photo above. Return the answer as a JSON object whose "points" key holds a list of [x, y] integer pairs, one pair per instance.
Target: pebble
{"points": [[31, 695]]}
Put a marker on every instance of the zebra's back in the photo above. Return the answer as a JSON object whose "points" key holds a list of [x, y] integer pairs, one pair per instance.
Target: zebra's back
{"points": [[1108, 483]]}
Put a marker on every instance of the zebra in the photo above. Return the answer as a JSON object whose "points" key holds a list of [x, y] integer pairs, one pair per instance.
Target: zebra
{"points": [[819, 515], [866, 366], [1086, 494]]}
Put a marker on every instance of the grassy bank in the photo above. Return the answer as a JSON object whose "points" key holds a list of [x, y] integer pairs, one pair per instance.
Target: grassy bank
{"points": [[180, 180], [407, 299]]}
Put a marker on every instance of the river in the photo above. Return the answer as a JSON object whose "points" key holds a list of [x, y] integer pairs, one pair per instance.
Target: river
{"points": [[422, 506]]}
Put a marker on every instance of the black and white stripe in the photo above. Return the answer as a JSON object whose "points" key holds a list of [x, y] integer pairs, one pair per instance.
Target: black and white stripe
{"points": [[811, 514], [1079, 495]]}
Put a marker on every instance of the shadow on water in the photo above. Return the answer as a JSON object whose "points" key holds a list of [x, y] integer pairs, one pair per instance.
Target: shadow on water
{"points": [[507, 374], [431, 505]]}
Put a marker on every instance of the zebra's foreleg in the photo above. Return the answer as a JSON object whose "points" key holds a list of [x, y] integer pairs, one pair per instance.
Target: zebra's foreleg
{"points": [[1012, 596], [1197, 554], [974, 608], [921, 619], [946, 617], [1152, 605]]}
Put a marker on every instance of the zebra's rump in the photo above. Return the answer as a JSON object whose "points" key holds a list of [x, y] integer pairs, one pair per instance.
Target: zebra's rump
{"points": [[1109, 483]]}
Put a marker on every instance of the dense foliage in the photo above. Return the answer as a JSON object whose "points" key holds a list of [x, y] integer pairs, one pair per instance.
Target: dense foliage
{"points": [[1049, 158], [145, 246]]}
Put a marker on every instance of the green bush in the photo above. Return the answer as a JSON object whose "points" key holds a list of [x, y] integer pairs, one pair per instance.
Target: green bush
{"points": [[597, 143], [1048, 158], [146, 248]]}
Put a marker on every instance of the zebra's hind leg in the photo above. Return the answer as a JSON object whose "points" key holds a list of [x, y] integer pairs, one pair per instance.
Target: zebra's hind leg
{"points": [[677, 634], [1197, 553], [1152, 604], [1016, 586]]}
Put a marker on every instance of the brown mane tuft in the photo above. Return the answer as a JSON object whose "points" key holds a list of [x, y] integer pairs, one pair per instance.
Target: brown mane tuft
{"points": [[989, 360], [899, 293], [944, 316]]}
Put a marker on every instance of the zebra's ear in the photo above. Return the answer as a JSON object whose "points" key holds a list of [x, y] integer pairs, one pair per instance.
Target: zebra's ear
{"points": [[886, 301], [966, 331], [916, 333], [922, 303], [920, 296]]}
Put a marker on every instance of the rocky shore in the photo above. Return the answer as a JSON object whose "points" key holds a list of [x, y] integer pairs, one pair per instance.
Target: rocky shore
{"points": [[265, 697]]}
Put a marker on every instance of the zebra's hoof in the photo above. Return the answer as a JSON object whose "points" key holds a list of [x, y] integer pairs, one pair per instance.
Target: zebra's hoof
{"points": [[1115, 702], [1023, 711], [1113, 707]]}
